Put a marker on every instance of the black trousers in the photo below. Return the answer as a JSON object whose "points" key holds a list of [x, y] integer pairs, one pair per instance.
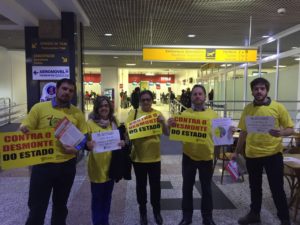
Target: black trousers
{"points": [[189, 169], [45, 178], [142, 171], [274, 168]]}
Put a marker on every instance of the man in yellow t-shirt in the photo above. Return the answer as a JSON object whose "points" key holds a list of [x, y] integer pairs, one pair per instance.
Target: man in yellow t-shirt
{"points": [[146, 160], [197, 157], [57, 176], [264, 151]]}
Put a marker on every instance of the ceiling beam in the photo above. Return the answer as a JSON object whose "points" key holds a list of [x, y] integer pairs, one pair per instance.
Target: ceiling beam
{"points": [[110, 52], [17, 14], [52, 7]]}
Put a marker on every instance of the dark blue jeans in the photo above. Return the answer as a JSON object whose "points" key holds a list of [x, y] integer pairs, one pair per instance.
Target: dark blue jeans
{"points": [[273, 166], [189, 169], [142, 171], [101, 200], [45, 178]]}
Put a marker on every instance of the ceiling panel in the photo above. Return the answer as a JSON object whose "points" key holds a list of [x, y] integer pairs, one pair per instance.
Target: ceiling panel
{"points": [[134, 23]]}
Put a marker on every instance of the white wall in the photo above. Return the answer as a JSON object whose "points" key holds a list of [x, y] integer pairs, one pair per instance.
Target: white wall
{"points": [[19, 94], [13, 75], [109, 79]]}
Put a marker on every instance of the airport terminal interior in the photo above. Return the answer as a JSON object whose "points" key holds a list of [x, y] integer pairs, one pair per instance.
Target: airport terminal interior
{"points": [[102, 45]]}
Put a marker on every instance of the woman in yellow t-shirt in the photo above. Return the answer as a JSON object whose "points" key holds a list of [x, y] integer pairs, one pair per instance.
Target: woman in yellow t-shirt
{"points": [[146, 160], [197, 157], [100, 120]]}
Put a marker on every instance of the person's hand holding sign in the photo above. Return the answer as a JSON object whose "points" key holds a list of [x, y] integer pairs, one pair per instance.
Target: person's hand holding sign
{"points": [[161, 119], [122, 143], [68, 149], [24, 129], [90, 145], [281, 132], [171, 122]]}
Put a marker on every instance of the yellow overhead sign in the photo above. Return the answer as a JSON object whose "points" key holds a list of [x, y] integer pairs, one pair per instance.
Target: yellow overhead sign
{"points": [[200, 54]]}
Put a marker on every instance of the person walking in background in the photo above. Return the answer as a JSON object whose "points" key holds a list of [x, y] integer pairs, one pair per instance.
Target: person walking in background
{"points": [[100, 120], [211, 98], [135, 98], [55, 177], [146, 160], [264, 151], [183, 99], [197, 157], [188, 103]]}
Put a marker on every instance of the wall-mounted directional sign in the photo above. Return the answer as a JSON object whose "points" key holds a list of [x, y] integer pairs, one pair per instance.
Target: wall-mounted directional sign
{"points": [[50, 59], [212, 54]]}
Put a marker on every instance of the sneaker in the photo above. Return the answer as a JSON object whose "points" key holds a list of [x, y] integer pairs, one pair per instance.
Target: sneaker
{"points": [[249, 218]]}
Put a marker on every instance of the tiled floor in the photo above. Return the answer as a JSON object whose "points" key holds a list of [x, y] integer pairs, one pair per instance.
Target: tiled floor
{"points": [[14, 193], [232, 204]]}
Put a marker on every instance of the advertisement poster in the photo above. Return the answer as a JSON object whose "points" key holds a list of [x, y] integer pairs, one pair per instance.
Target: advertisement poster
{"points": [[19, 150], [221, 131], [144, 126], [48, 92], [190, 129]]}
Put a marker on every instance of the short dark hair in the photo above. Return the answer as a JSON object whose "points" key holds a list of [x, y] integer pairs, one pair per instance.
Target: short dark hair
{"points": [[65, 80], [146, 92], [199, 86], [260, 80], [97, 103]]}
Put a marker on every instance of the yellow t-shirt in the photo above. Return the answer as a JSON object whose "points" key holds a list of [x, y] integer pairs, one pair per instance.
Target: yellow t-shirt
{"points": [[146, 149], [205, 151], [43, 115], [98, 163], [260, 145]]}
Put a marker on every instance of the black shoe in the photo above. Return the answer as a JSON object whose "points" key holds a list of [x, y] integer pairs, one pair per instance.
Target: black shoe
{"points": [[158, 219], [249, 218], [143, 219], [285, 222], [185, 222], [208, 222]]}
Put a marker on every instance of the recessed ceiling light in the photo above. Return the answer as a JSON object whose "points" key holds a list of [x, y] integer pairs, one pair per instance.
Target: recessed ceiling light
{"points": [[107, 34], [294, 47], [116, 57], [149, 74], [297, 59], [279, 66], [224, 65], [113, 45], [265, 36], [192, 35], [130, 64], [270, 39]]}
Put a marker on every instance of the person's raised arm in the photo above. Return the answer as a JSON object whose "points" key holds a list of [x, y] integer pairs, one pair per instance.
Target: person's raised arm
{"points": [[162, 121]]}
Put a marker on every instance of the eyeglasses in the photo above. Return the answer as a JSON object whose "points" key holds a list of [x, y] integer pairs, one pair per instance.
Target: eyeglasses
{"points": [[104, 105], [146, 99]]}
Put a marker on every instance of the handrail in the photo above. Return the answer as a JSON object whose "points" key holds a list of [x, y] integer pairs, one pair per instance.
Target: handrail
{"points": [[10, 112], [175, 106]]}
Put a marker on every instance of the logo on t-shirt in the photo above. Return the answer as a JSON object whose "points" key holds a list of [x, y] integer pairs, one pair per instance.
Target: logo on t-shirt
{"points": [[53, 121]]}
